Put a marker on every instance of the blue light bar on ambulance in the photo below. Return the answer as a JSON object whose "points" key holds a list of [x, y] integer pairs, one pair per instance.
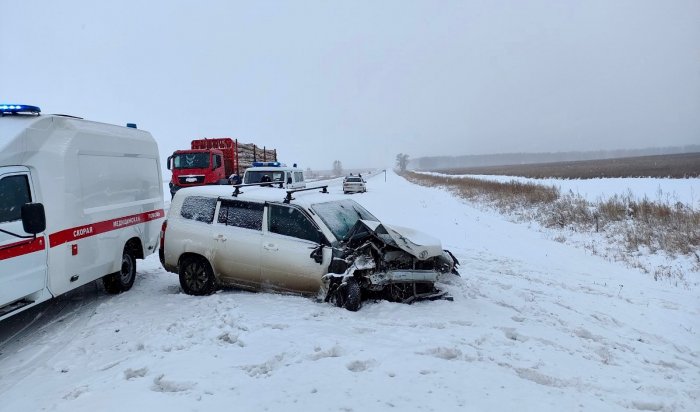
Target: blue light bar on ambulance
{"points": [[19, 108], [267, 164]]}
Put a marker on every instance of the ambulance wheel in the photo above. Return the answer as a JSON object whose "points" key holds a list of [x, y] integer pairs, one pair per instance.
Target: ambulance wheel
{"points": [[196, 276], [123, 280]]}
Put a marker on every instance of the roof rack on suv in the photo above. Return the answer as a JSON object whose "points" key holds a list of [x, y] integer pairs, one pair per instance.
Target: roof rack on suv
{"points": [[289, 198]]}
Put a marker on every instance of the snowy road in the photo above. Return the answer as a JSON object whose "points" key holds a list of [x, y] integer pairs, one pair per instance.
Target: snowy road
{"points": [[535, 325]]}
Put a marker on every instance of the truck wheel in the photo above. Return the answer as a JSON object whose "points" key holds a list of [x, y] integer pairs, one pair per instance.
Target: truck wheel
{"points": [[196, 277], [123, 280], [349, 295]]}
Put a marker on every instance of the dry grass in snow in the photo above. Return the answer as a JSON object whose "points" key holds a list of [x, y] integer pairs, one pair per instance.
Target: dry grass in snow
{"points": [[634, 226]]}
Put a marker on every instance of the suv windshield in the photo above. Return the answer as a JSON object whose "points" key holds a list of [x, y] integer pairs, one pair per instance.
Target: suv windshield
{"points": [[340, 216], [353, 179], [191, 161]]}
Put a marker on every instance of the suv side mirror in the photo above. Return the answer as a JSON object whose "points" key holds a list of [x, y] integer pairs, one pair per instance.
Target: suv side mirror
{"points": [[170, 161], [33, 218]]}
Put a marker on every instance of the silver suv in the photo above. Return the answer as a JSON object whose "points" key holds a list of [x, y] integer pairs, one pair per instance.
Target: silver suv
{"points": [[299, 241]]}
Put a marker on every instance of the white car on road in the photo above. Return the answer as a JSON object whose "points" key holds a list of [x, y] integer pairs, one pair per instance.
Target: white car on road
{"points": [[299, 241], [354, 184]]}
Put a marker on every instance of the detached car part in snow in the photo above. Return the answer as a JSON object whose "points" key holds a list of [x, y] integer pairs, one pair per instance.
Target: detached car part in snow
{"points": [[264, 239]]}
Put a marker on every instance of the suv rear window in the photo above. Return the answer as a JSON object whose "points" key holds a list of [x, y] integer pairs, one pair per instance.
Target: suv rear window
{"points": [[247, 215], [198, 208]]}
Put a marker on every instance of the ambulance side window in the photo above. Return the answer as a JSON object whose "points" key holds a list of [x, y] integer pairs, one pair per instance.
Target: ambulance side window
{"points": [[14, 192]]}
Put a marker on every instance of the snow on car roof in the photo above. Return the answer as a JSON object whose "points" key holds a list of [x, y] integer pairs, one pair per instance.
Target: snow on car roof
{"points": [[267, 194]]}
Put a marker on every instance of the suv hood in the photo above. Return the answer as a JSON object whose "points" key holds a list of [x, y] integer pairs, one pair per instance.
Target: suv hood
{"points": [[416, 243]]}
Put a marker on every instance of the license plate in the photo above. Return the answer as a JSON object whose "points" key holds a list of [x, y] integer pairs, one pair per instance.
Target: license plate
{"points": [[191, 179]]}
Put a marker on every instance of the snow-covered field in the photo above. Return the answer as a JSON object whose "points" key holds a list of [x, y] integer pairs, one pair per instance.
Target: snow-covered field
{"points": [[667, 191], [534, 325]]}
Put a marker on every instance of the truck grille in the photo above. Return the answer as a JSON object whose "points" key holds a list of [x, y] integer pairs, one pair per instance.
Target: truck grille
{"points": [[191, 180]]}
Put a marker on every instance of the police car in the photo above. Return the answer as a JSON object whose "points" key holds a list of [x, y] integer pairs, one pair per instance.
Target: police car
{"points": [[276, 173]]}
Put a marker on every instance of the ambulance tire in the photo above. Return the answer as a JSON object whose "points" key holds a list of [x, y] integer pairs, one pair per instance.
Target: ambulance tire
{"points": [[123, 280]]}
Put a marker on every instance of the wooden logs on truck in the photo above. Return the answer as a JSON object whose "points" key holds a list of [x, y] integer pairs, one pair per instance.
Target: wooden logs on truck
{"points": [[249, 153]]}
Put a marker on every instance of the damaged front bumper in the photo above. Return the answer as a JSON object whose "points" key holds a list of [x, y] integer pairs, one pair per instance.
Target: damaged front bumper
{"points": [[381, 279], [398, 285], [413, 285]]}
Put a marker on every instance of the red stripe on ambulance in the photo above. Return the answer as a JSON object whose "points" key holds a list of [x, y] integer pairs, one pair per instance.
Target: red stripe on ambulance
{"points": [[81, 232], [21, 248]]}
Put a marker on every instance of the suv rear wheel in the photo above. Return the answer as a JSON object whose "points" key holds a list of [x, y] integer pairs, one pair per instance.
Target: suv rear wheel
{"points": [[196, 276]]}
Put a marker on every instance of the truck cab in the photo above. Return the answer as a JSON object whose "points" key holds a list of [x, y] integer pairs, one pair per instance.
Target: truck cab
{"points": [[212, 161], [275, 172], [196, 167]]}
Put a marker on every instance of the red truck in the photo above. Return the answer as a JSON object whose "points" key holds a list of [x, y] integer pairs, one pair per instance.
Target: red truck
{"points": [[213, 161]]}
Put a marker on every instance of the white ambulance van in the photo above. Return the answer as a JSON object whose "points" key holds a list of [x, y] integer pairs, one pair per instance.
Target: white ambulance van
{"points": [[79, 201]]}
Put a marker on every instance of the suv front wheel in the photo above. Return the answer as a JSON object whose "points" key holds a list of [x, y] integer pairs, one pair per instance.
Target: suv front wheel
{"points": [[349, 295], [196, 276]]}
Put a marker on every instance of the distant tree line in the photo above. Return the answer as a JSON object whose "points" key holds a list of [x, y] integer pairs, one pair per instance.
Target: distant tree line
{"points": [[448, 162]]}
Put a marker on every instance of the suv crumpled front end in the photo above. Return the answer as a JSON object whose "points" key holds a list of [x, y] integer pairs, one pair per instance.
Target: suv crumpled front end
{"points": [[387, 262]]}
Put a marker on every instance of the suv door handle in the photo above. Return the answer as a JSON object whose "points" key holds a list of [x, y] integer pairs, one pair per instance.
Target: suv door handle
{"points": [[220, 237], [270, 246]]}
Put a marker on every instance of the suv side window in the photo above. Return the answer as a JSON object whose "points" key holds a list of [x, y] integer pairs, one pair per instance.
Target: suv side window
{"points": [[198, 208], [14, 192], [247, 215], [289, 221]]}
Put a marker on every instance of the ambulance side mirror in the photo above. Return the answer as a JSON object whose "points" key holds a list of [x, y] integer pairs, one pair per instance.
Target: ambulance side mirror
{"points": [[33, 218]]}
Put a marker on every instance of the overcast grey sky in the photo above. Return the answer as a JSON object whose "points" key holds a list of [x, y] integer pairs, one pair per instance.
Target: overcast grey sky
{"points": [[360, 81]]}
